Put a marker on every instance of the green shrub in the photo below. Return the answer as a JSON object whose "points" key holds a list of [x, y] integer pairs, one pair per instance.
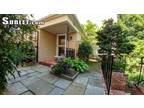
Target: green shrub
{"points": [[119, 65], [27, 51], [59, 68], [10, 36], [84, 51], [134, 78], [79, 65], [67, 63]]}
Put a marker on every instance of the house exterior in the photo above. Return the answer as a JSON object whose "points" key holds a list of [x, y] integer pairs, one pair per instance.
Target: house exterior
{"points": [[60, 34]]}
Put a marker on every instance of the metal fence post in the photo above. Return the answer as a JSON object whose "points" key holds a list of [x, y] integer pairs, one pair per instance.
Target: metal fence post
{"points": [[107, 63]]}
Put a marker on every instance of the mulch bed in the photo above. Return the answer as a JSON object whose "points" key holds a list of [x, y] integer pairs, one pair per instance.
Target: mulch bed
{"points": [[137, 90], [118, 81], [117, 92], [70, 73]]}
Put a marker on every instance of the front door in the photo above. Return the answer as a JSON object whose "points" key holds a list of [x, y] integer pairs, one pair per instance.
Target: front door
{"points": [[61, 45]]}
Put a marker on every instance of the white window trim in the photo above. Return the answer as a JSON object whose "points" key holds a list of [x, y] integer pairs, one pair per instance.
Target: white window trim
{"points": [[63, 34]]}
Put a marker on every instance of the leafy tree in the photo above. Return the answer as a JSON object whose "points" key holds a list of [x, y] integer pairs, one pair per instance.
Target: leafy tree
{"points": [[112, 40], [10, 36], [134, 58], [133, 27], [90, 30]]}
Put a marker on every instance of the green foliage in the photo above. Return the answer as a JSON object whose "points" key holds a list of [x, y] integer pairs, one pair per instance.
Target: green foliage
{"points": [[134, 58], [64, 65], [119, 65], [90, 30], [112, 40], [134, 78], [59, 68], [132, 24], [27, 52], [133, 27], [84, 51], [10, 35], [79, 65]]}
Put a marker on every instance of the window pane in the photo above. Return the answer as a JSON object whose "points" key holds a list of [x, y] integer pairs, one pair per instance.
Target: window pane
{"points": [[61, 40]]}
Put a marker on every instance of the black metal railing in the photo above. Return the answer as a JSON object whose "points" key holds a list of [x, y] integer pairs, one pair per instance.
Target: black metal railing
{"points": [[106, 65]]}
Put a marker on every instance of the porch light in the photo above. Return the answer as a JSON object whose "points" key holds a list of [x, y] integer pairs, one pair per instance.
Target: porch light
{"points": [[70, 38]]}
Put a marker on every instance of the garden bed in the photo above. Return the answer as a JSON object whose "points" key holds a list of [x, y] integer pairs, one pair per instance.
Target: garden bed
{"points": [[69, 68], [137, 90], [71, 75], [118, 81]]}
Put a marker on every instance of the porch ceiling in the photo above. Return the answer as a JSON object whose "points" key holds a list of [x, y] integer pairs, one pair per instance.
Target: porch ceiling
{"points": [[60, 28]]}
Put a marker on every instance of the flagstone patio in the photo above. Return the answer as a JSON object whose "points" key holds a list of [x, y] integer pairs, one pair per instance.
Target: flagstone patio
{"points": [[37, 80]]}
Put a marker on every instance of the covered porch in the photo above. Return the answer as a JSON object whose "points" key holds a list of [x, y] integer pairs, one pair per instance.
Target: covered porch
{"points": [[57, 39]]}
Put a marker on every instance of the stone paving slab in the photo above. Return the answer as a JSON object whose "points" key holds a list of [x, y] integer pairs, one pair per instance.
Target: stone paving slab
{"points": [[75, 89], [95, 82], [38, 80], [50, 78], [15, 74], [62, 83], [41, 87], [30, 71], [22, 73], [15, 89], [27, 93], [84, 75], [43, 74], [23, 68], [38, 66], [27, 82], [56, 91], [18, 79], [41, 68], [94, 76], [34, 74], [92, 90], [81, 80]]}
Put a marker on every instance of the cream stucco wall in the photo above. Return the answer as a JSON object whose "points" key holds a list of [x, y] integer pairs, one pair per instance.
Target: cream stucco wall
{"points": [[74, 42], [47, 45]]}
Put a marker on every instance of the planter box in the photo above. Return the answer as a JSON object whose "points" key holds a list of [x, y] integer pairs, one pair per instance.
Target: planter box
{"points": [[69, 77], [66, 76]]}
